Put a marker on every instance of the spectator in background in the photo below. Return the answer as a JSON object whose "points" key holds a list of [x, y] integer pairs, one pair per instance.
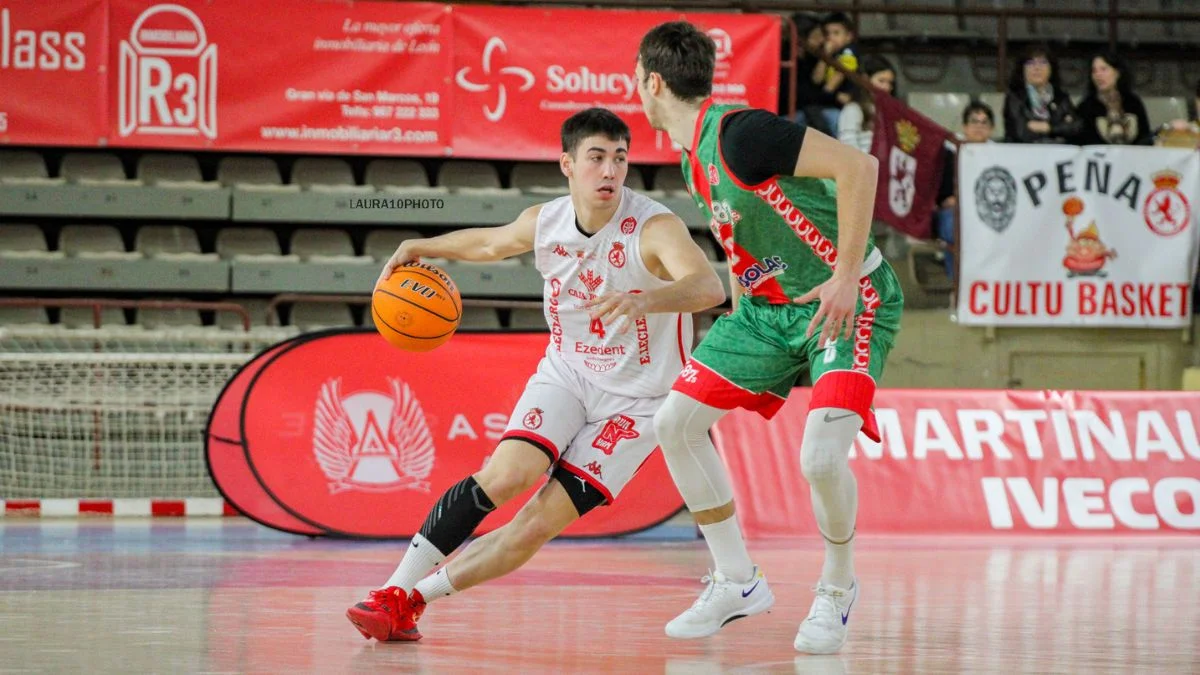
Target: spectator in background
{"points": [[856, 125], [978, 124], [839, 44], [811, 96], [1193, 113], [1112, 114], [1037, 109]]}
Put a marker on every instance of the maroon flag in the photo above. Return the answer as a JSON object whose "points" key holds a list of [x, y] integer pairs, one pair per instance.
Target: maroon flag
{"points": [[909, 149]]}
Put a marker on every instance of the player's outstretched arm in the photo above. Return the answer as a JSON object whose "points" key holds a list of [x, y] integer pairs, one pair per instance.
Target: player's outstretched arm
{"points": [[856, 174], [670, 253], [475, 244]]}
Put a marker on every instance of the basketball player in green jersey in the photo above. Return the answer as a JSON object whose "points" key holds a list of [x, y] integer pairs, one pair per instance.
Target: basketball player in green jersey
{"points": [[792, 208]]}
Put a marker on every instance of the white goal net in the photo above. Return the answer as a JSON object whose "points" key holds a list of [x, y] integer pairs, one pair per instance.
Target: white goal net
{"points": [[109, 413]]}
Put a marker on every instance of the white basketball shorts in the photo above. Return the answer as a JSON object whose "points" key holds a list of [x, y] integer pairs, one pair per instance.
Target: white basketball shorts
{"points": [[601, 438]]}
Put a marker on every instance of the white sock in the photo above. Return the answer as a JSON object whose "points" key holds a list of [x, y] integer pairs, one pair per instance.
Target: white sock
{"points": [[838, 569], [729, 550], [436, 586], [419, 560]]}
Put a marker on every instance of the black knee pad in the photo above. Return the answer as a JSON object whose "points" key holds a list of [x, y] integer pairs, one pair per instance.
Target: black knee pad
{"points": [[585, 497]]}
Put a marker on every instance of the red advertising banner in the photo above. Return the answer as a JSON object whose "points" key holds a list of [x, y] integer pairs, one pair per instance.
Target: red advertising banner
{"points": [[976, 461], [518, 73], [280, 76], [354, 437], [909, 149], [52, 71]]}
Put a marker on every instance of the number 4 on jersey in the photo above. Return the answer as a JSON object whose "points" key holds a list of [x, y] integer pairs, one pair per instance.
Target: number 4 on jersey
{"points": [[597, 328]]}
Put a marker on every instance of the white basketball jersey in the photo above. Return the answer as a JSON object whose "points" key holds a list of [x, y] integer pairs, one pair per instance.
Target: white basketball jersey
{"points": [[643, 362]]}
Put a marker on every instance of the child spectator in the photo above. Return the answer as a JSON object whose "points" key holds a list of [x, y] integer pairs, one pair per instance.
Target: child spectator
{"points": [[839, 44]]}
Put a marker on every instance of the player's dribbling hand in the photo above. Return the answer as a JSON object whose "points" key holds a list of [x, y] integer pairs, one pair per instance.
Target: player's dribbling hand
{"points": [[609, 308], [402, 256], [838, 299]]}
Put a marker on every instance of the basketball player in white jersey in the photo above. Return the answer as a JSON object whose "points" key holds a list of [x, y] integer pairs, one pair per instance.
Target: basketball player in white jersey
{"points": [[622, 276]]}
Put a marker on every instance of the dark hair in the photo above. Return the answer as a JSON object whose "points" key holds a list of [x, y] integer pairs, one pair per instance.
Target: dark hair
{"points": [[593, 122], [978, 106], [839, 18], [806, 22], [868, 66], [1118, 63], [683, 55], [1016, 80], [1193, 113]]}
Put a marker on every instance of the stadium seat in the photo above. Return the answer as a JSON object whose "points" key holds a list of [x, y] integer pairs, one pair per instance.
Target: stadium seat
{"points": [[399, 175], [246, 243], [527, 319], [1073, 30], [159, 318], [1163, 109], [171, 170], [480, 318], [669, 180], [95, 169], [252, 173], [256, 307], [325, 245], [381, 244], [707, 245], [23, 316], [22, 166], [25, 241], [925, 25], [84, 318], [470, 176], [325, 174], [539, 178], [167, 241], [945, 108], [94, 241], [310, 316]]}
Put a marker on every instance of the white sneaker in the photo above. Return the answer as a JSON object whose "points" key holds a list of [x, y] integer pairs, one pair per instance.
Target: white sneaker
{"points": [[824, 631], [722, 602]]}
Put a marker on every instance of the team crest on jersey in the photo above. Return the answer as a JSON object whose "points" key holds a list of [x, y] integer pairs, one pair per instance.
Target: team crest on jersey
{"points": [[615, 430], [628, 225], [714, 178], [371, 441], [533, 419], [591, 280], [617, 255]]}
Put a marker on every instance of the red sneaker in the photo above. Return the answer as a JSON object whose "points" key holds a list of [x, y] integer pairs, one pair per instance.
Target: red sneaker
{"points": [[387, 614]]}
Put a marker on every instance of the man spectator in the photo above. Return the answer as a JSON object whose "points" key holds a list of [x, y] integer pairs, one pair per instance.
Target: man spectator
{"points": [[810, 72], [978, 124]]}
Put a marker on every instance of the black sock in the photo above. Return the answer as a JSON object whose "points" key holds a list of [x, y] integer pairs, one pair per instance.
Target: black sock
{"points": [[456, 515]]}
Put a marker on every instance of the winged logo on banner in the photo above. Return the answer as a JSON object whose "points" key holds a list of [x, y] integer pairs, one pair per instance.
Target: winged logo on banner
{"points": [[371, 441]]}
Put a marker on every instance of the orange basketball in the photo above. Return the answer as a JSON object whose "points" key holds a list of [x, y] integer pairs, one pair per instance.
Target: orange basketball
{"points": [[417, 308]]}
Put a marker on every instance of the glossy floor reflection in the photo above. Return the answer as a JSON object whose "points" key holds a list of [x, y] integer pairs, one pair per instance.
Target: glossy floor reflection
{"points": [[231, 597]]}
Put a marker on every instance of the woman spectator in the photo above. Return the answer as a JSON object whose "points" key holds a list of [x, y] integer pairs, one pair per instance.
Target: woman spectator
{"points": [[1037, 109], [811, 96], [1112, 114], [857, 122]]}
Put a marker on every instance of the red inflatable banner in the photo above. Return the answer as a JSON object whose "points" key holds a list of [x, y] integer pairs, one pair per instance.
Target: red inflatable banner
{"points": [[975, 461], [518, 73], [52, 70], [340, 433], [280, 75]]}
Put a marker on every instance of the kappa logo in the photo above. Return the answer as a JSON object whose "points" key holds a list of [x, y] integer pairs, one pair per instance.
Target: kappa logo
{"points": [[594, 467], [371, 441], [167, 80], [615, 430], [591, 280], [616, 256], [533, 419], [559, 250], [497, 78]]}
